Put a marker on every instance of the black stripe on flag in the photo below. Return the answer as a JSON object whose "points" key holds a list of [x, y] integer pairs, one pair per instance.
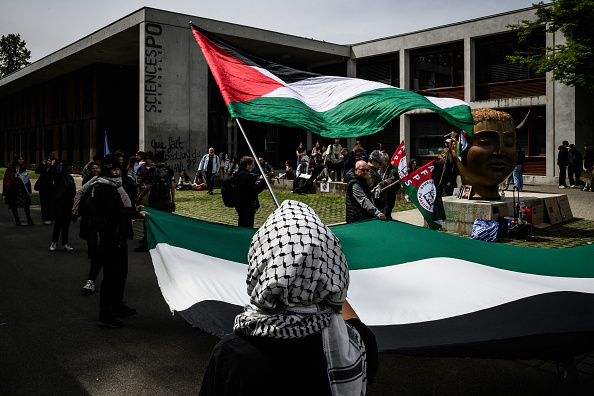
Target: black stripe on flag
{"points": [[285, 73]]}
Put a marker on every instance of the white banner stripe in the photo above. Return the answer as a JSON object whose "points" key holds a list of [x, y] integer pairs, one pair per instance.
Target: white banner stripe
{"points": [[326, 92], [186, 277], [443, 287], [424, 290]]}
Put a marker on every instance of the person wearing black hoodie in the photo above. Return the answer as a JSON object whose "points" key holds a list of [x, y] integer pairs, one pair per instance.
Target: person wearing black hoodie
{"points": [[562, 162], [110, 215], [65, 189], [575, 166], [588, 164]]}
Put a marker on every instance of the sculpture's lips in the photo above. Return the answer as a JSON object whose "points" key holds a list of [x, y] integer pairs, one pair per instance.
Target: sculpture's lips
{"points": [[500, 165]]}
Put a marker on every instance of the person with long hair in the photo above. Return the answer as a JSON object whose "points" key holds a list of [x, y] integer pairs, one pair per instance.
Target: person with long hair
{"points": [[17, 189]]}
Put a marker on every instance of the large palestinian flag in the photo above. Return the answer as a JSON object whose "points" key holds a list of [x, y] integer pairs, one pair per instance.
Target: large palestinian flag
{"points": [[422, 292], [259, 90]]}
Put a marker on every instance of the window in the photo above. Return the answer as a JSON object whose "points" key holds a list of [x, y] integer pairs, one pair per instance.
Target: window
{"points": [[384, 69], [437, 67]]}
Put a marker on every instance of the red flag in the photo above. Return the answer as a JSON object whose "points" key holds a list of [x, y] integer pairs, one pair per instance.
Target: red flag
{"points": [[399, 160], [420, 188]]}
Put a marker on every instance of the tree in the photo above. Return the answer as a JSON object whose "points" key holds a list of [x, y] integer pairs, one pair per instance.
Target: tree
{"points": [[572, 63], [14, 54]]}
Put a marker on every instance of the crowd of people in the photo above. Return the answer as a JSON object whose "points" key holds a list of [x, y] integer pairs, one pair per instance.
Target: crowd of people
{"points": [[571, 161]]}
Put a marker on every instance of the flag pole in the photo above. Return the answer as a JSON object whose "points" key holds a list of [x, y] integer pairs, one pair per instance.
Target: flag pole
{"points": [[258, 163]]}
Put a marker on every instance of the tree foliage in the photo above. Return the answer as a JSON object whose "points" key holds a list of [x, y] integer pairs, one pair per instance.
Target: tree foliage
{"points": [[571, 63], [14, 54]]}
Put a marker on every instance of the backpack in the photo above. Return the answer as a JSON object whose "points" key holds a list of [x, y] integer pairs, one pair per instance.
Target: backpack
{"points": [[161, 183], [230, 191], [104, 205]]}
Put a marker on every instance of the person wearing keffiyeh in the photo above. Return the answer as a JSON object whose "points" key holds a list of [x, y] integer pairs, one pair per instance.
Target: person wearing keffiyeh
{"points": [[295, 339]]}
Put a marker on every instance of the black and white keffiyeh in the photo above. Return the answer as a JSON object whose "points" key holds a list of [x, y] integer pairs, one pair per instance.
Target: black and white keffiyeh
{"points": [[298, 279]]}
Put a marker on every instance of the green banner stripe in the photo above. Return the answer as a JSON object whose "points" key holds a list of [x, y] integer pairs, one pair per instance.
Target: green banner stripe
{"points": [[376, 243]]}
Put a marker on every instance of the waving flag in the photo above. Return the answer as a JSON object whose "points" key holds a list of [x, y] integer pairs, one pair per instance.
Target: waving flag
{"points": [[419, 186], [477, 299], [399, 160], [105, 146], [259, 90]]}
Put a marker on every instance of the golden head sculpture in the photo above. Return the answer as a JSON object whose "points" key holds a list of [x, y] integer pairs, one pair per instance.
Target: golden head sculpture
{"points": [[491, 153]]}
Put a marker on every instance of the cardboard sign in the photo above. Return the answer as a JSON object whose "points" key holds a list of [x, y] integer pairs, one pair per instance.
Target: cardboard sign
{"points": [[564, 208], [552, 208]]}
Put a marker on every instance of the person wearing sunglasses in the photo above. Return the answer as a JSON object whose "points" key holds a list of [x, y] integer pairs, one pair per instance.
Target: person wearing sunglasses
{"points": [[359, 204]]}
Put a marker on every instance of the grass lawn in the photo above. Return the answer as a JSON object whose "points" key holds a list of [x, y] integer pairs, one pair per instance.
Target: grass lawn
{"points": [[199, 205]]}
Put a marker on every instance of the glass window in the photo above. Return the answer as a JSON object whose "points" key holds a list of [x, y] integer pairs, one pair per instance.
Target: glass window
{"points": [[437, 67]]}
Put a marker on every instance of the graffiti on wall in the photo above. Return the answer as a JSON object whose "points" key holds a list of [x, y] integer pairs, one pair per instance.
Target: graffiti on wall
{"points": [[177, 156]]}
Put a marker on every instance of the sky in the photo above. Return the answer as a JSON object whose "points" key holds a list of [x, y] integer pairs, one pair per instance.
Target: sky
{"points": [[50, 25]]}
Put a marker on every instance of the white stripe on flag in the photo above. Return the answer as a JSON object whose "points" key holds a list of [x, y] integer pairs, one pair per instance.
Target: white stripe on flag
{"points": [[186, 277], [443, 287], [424, 290]]}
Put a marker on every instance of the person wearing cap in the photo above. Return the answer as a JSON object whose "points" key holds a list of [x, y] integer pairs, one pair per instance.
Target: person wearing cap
{"points": [[299, 336], [109, 227], [65, 189]]}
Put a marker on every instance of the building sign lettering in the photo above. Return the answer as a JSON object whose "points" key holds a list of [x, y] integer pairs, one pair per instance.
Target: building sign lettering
{"points": [[153, 56]]}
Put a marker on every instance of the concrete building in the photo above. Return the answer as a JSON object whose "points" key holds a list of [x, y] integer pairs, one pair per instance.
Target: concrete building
{"points": [[144, 82]]}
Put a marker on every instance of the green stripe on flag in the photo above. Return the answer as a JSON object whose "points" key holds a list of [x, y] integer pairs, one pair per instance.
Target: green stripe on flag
{"points": [[375, 243], [363, 114], [213, 239]]}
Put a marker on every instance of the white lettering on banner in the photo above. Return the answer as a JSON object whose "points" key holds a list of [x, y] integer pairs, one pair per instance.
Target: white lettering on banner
{"points": [[152, 72], [416, 177]]}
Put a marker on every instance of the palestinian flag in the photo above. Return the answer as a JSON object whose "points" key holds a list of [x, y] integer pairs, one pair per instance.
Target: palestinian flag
{"points": [[399, 160], [422, 293], [419, 186], [259, 90]]}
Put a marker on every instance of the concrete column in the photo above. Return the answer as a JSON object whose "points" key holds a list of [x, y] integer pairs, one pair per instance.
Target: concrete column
{"points": [[351, 66], [404, 70], [173, 95], [469, 70], [560, 114]]}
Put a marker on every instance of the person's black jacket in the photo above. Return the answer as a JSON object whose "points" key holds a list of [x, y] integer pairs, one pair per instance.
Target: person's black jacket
{"points": [[563, 156], [248, 190], [589, 158]]}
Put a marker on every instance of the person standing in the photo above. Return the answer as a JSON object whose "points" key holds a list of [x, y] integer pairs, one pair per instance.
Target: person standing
{"points": [[300, 322], [588, 164], [210, 165], [17, 189], [519, 170], [300, 152], [562, 162], [45, 186], [64, 197], [574, 167], [359, 203], [390, 179], [333, 158], [248, 190], [84, 198], [160, 185], [110, 222], [374, 179]]}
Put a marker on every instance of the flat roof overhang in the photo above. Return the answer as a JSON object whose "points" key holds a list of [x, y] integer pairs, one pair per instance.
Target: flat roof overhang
{"points": [[119, 44]]}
